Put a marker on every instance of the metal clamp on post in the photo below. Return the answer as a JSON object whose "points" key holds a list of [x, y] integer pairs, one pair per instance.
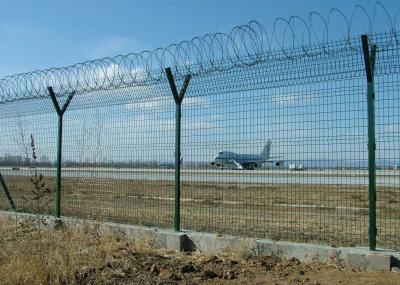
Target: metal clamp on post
{"points": [[178, 97], [60, 113]]}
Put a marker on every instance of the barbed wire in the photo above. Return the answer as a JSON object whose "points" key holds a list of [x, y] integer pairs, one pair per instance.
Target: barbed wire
{"points": [[245, 45]]}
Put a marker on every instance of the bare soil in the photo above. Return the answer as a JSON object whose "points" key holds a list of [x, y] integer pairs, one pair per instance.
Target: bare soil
{"points": [[84, 255]]}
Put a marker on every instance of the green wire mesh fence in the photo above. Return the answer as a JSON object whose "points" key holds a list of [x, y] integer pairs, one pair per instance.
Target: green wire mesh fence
{"points": [[274, 145]]}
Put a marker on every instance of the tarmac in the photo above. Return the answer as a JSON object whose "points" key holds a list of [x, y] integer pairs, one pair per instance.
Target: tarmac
{"points": [[276, 176]]}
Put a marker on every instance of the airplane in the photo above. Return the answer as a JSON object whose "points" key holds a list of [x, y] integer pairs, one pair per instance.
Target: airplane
{"points": [[245, 161]]}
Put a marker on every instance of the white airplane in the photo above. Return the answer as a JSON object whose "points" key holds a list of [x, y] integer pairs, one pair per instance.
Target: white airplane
{"points": [[245, 161]]}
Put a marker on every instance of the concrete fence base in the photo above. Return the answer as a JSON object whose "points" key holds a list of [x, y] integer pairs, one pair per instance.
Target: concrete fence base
{"points": [[354, 257]]}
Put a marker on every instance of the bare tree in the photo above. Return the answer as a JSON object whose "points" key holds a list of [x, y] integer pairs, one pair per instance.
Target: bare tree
{"points": [[20, 139]]}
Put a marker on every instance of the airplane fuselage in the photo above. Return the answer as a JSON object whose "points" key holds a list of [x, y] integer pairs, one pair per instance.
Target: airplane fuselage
{"points": [[244, 161], [248, 161]]}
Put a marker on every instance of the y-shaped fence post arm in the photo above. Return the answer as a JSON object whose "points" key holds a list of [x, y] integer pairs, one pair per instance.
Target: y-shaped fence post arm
{"points": [[178, 98], [60, 113]]}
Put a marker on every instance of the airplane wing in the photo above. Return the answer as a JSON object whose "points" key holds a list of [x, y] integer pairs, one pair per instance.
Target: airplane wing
{"points": [[238, 165]]}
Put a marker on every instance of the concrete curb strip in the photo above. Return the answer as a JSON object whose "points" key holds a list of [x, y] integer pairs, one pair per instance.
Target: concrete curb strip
{"points": [[358, 258]]}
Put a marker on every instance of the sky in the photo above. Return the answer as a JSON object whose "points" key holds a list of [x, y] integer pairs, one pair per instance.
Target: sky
{"points": [[42, 34], [304, 121]]}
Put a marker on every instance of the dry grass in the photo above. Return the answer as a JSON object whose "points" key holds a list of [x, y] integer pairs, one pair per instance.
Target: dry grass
{"points": [[91, 255], [30, 256], [329, 214]]}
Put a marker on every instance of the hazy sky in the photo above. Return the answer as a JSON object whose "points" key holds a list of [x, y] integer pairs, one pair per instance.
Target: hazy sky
{"points": [[311, 121], [48, 33]]}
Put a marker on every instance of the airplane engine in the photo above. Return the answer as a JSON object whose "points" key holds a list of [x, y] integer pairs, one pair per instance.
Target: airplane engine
{"points": [[251, 166], [278, 163]]}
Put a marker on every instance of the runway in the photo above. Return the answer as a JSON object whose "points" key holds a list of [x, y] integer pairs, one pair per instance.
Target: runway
{"points": [[280, 176]]}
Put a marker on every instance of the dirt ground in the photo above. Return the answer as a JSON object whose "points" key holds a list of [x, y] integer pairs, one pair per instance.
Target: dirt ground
{"points": [[83, 255], [336, 215]]}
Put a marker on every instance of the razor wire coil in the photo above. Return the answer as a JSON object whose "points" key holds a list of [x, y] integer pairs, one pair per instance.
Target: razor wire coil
{"points": [[244, 45]]}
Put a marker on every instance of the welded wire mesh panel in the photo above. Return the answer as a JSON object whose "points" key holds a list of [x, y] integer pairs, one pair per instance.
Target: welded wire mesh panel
{"points": [[27, 154], [387, 109], [284, 156], [274, 144], [117, 162]]}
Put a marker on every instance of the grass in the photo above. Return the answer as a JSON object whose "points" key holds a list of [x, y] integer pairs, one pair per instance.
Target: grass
{"points": [[331, 214], [54, 257], [92, 255]]}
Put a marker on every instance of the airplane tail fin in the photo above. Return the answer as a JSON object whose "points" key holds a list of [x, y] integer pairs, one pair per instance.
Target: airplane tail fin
{"points": [[267, 149]]}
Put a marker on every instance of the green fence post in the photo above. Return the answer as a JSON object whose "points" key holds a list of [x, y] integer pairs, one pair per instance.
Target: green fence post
{"points": [[60, 113], [5, 188], [178, 98], [369, 60]]}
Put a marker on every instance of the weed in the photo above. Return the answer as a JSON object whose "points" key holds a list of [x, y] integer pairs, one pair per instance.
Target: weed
{"points": [[40, 196]]}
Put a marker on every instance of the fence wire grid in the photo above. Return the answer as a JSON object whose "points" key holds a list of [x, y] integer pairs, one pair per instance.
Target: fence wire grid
{"points": [[118, 148]]}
